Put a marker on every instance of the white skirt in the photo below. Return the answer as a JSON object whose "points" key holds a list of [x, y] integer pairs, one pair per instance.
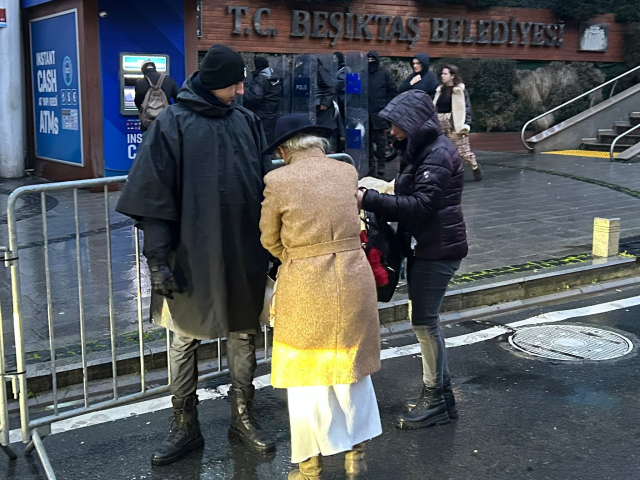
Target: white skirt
{"points": [[330, 420]]}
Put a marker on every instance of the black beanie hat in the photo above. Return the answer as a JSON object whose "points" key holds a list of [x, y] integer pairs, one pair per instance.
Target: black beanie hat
{"points": [[261, 63], [221, 67]]}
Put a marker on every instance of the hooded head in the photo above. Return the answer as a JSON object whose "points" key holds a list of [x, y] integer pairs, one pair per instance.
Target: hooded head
{"points": [[374, 61], [260, 63], [340, 58], [424, 60], [414, 112]]}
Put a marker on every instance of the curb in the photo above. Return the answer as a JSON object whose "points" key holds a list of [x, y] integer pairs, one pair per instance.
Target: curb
{"points": [[461, 301], [545, 286]]}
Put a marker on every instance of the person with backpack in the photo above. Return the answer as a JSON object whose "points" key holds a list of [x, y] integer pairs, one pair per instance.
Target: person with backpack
{"points": [[427, 207], [196, 189], [154, 93]]}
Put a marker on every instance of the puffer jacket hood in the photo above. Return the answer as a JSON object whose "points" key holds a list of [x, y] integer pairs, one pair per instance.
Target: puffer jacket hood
{"points": [[189, 97], [424, 60], [414, 112]]}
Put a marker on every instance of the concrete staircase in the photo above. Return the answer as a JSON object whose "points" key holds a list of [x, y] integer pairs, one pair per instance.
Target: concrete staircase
{"points": [[572, 134], [605, 138]]}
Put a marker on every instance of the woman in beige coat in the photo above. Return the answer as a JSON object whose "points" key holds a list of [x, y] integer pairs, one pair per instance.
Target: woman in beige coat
{"points": [[326, 340]]}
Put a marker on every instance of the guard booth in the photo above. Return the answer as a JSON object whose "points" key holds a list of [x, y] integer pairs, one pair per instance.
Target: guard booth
{"points": [[82, 60]]}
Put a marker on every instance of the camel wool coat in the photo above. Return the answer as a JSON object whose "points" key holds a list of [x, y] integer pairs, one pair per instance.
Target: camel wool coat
{"points": [[327, 330]]}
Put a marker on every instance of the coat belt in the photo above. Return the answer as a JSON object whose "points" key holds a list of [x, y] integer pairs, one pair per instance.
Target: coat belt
{"points": [[337, 246]]}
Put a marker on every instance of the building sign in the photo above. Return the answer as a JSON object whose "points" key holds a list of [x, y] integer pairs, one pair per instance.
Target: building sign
{"points": [[3, 18], [594, 37], [349, 25], [33, 3], [56, 88]]}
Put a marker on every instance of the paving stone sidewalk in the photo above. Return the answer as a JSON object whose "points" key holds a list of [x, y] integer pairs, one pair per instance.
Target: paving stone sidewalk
{"points": [[528, 208]]}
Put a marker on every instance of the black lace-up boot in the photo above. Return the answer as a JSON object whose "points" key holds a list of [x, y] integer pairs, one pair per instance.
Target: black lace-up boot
{"points": [[185, 433], [430, 410], [449, 400], [243, 424]]}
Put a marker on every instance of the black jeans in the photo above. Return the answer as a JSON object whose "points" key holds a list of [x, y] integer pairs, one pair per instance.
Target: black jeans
{"points": [[241, 359], [428, 281]]}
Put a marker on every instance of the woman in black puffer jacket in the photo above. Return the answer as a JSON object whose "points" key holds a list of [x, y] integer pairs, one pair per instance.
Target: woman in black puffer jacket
{"points": [[427, 207]]}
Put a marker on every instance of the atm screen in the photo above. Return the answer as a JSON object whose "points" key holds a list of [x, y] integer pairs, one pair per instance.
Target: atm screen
{"points": [[133, 63], [129, 97]]}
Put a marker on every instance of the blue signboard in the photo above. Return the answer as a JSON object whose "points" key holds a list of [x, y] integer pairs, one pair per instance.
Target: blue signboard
{"points": [[33, 3], [301, 87], [354, 83], [56, 88], [354, 138]]}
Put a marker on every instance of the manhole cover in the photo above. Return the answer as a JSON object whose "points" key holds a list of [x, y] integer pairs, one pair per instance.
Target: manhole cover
{"points": [[571, 342]]}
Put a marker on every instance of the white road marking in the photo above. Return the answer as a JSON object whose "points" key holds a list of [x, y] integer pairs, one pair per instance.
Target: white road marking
{"points": [[154, 405]]}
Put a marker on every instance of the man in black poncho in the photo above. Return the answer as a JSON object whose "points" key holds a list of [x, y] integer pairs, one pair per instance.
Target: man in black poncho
{"points": [[196, 189]]}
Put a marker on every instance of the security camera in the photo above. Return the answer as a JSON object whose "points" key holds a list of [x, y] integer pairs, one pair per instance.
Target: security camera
{"points": [[103, 14]]}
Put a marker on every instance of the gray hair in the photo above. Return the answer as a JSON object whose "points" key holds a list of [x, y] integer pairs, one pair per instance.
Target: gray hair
{"points": [[304, 142]]}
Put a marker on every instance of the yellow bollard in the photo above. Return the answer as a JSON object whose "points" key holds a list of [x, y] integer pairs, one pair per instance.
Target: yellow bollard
{"points": [[606, 237]]}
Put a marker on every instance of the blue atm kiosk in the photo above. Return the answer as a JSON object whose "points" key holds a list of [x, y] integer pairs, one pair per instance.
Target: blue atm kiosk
{"points": [[95, 48], [120, 151], [130, 73]]}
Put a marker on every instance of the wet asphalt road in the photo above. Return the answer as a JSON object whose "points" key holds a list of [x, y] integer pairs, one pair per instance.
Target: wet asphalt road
{"points": [[521, 417]]}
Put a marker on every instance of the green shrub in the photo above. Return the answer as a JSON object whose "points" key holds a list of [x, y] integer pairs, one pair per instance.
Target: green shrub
{"points": [[547, 87], [632, 44]]}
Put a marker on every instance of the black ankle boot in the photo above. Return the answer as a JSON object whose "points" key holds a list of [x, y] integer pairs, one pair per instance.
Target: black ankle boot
{"points": [[449, 400], [430, 410], [185, 433], [243, 425]]}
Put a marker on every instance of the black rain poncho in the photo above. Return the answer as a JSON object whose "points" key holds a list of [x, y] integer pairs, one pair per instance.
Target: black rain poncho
{"points": [[200, 167]]}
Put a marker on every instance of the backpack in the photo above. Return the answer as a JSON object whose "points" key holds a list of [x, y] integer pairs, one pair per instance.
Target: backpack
{"points": [[154, 102], [383, 251]]}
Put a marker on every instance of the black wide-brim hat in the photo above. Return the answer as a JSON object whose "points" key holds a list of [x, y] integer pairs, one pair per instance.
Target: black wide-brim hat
{"points": [[294, 124]]}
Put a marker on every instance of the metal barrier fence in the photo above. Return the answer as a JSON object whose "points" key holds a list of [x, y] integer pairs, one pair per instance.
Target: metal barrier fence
{"points": [[4, 404], [34, 430]]}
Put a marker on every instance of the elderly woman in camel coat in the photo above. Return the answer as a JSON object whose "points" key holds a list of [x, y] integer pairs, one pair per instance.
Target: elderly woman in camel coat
{"points": [[326, 337]]}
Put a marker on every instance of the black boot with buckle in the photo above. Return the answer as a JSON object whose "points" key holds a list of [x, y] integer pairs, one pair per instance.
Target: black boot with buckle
{"points": [[185, 433], [449, 400], [243, 424], [430, 410]]}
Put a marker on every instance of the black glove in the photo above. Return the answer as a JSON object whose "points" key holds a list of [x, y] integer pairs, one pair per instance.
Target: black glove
{"points": [[162, 280]]}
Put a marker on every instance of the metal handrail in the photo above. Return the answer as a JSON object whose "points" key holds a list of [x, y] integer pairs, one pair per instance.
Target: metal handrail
{"points": [[615, 140], [530, 148]]}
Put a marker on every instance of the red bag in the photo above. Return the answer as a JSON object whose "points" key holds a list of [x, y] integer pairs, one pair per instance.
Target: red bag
{"points": [[375, 260]]}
